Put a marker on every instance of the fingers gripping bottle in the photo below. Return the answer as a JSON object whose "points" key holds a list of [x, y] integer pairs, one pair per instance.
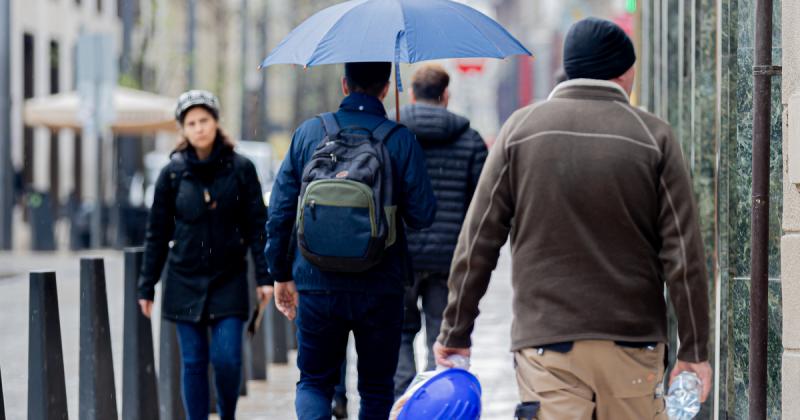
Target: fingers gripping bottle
{"points": [[683, 398]]}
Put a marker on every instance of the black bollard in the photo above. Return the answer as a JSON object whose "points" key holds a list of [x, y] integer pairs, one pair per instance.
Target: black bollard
{"points": [[96, 390], [257, 348], [292, 336], [169, 373], [139, 391], [245, 369], [276, 340], [47, 394]]}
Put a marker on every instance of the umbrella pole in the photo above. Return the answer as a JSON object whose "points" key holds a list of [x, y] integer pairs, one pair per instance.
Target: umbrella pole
{"points": [[396, 101]]}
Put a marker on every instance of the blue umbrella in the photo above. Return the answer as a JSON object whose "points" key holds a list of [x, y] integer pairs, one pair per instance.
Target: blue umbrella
{"points": [[396, 31]]}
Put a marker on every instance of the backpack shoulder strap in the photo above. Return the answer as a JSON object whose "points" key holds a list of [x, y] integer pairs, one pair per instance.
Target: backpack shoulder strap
{"points": [[329, 124], [384, 130]]}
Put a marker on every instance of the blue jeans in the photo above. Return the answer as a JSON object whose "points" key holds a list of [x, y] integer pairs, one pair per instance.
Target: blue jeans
{"points": [[226, 357], [324, 321], [431, 288]]}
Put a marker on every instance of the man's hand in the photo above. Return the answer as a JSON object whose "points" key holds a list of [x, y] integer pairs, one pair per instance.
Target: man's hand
{"points": [[702, 370], [146, 306], [441, 353], [286, 298], [264, 294]]}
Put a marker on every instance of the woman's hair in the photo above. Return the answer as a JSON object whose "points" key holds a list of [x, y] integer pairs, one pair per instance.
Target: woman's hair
{"points": [[183, 142]]}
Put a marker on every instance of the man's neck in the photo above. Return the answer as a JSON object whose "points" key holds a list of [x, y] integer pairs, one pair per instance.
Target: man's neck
{"points": [[430, 103]]}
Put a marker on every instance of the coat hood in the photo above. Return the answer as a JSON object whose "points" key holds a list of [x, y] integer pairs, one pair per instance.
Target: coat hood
{"points": [[433, 125]]}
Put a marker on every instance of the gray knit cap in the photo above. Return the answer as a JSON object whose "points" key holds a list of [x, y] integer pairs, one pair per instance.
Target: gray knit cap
{"points": [[194, 98]]}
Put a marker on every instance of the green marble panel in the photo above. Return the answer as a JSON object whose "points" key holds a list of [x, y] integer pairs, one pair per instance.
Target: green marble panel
{"points": [[709, 104], [727, 130], [740, 292]]}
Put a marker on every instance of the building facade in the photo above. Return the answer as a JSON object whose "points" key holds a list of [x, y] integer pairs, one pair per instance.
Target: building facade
{"points": [[44, 34], [696, 71]]}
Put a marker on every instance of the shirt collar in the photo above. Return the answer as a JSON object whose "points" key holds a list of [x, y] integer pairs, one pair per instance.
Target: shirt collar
{"points": [[595, 84], [361, 102]]}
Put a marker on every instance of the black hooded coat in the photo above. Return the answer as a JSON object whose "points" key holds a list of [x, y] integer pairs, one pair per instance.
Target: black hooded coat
{"points": [[455, 154]]}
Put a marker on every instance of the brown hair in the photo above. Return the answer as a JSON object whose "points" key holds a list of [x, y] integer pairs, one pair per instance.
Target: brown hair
{"points": [[429, 82], [183, 142]]}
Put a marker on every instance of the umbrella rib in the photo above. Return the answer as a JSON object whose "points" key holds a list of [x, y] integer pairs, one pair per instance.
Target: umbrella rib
{"points": [[405, 29]]}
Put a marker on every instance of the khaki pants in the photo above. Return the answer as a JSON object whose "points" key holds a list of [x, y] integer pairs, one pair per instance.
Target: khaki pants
{"points": [[595, 380]]}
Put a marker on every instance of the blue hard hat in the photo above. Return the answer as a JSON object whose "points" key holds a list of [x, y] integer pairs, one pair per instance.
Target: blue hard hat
{"points": [[451, 394]]}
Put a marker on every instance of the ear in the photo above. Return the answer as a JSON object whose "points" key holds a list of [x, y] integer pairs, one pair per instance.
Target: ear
{"points": [[446, 97], [411, 96], [385, 91], [345, 89]]}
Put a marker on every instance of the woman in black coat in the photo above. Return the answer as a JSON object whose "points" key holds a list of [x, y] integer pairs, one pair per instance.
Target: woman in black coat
{"points": [[207, 212]]}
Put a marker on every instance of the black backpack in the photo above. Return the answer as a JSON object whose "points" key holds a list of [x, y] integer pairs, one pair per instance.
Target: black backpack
{"points": [[345, 216]]}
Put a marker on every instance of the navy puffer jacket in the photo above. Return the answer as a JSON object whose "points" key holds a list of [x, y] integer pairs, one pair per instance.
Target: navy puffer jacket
{"points": [[455, 154]]}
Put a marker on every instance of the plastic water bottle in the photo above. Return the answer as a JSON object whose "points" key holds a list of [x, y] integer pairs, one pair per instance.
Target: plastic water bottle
{"points": [[683, 398], [459, 361]]}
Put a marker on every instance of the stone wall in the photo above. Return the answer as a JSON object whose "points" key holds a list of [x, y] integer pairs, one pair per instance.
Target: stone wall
{"points": [[790, 242]]}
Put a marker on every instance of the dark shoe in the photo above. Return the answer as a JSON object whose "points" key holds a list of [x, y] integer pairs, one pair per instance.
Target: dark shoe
{"points": [[339, 407]]}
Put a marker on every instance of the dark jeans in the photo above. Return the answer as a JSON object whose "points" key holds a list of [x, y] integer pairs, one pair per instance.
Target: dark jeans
{"points": [[431, 287], [324, 321], [226, 357]]}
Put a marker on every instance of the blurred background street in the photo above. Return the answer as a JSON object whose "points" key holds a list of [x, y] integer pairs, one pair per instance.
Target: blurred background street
{"points": [[87, 97]]}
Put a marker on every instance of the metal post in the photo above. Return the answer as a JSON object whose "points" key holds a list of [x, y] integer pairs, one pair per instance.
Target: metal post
{"points": [[243, 134], [191, 22], [96, 390], [127, 30], [762, 100], [263, 110], [6, 174], [97, 233]]}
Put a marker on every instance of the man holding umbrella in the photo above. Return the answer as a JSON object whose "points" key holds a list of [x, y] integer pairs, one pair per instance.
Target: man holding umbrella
{"points": [[330, 300], [362, 291]]}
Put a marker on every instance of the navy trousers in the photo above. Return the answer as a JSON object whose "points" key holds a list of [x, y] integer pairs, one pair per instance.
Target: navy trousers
{"points": [[324, 322]]}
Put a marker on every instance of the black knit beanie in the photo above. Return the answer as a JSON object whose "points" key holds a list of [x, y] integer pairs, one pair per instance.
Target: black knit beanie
{"points": [[597, 49]]}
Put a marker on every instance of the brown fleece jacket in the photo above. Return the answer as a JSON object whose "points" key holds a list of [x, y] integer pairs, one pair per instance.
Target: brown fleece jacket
{"points": [[598, 203]]}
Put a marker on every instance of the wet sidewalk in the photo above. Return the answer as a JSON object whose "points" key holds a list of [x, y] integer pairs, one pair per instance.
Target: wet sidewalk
{"points": [[271, 399]]}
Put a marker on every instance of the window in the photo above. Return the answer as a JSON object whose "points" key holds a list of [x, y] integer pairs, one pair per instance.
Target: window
{"points": [[54, 151], [54, 67], [27, 92]]}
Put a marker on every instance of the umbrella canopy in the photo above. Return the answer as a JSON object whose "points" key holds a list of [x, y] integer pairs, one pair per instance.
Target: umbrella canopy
{"points": [[135, 111], [396, 31]]}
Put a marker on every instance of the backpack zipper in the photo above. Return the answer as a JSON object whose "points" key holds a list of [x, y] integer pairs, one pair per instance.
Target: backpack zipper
{"points": [[366, 191]]}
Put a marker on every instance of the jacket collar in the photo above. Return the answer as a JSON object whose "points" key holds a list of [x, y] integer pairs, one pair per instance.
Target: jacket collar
{"points": [[361, 102], [589, 88]]}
